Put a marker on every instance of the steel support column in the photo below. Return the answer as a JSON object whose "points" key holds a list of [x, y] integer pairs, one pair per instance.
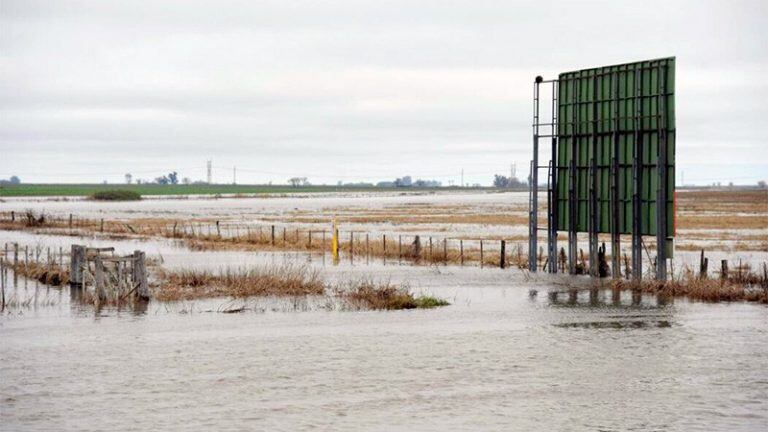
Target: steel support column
{"points": [[637, 184], [552, 223], [615, 208], [661, 169], [533, 198]]}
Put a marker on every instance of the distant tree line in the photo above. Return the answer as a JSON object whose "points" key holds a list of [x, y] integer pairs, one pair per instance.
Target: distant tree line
{"points": [[501, 181], [13, 180], [407, 181]]}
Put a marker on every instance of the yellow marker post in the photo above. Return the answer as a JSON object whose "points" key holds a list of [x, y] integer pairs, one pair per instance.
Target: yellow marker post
{"points": [[335, 243]]}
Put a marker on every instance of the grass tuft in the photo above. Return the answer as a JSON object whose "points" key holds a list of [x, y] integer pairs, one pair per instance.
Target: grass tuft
{"points": [[116, 195], [368, 295], [284, 280]]}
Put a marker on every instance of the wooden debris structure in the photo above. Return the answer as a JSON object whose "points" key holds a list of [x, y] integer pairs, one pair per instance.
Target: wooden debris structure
{"points": [[113, 278]]}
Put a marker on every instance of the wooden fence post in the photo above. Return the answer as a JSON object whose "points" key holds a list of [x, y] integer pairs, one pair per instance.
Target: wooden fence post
{"points": [[351, 245], [70, 221], [445, 251], [703, 264], [99, 278], [76, 261], [461, 251], [481, 254], [503, 255], [724, 269], [273, 236], [140, 274]]}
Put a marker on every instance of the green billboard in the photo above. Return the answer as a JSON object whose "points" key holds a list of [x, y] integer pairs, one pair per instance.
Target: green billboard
{"points": [[616, 148]]}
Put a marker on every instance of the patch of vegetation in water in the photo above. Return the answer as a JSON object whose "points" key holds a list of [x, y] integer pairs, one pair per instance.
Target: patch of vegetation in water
{"points": [[389, 297], [116, 195], [429, 302]]}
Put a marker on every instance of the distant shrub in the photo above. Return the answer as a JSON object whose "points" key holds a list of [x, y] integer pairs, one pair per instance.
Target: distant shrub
{"points": [[116, 195]]}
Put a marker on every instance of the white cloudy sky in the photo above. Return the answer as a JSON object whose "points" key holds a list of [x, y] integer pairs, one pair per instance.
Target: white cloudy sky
{"points": [[352, 90]]}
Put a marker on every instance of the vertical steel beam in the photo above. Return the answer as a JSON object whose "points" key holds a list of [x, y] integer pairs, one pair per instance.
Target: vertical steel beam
{"points": [[573, 177], [637, 183], [661, 170], [615, 209], [533, 203], [552, 222], [592, 205]]}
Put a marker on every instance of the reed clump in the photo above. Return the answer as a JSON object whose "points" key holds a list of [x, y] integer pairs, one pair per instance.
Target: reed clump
{"points": [[744, 287], [369, 295], [284, 280], [46, 273], [116, 195]]}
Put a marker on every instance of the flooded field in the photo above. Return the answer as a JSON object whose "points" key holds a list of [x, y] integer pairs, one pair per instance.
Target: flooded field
{"points": [[512, 351]]}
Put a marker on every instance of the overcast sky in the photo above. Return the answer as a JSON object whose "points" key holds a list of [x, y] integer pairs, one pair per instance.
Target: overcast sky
{"points": [[353, 90]]}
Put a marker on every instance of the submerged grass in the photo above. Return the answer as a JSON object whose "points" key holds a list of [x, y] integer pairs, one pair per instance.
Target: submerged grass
{"points": [[49, 274], [283, 280], [745, 286], [368, 295], [116, 195]]}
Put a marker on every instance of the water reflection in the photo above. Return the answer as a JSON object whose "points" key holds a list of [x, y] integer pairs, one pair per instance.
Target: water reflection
{"points": [[596, 298]]}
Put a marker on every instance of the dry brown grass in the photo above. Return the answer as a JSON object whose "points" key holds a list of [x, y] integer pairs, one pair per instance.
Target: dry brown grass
{"points": [[741, 286], [284, 280], [49, 274], [729, 221], [728, 201], [368, 295]]}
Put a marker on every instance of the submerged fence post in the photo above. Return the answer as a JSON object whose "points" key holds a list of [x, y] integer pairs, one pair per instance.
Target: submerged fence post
{"points": [[273, 236], [724, 269], [140, 274], [99, 278], [461, 251], [384, 241], [703, 264], [351, 246], [481, 254], [76, 261], [445, 251], [503, 256]]}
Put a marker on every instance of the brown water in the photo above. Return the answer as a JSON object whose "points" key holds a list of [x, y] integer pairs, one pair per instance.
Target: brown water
{"points": [[498, 358]]}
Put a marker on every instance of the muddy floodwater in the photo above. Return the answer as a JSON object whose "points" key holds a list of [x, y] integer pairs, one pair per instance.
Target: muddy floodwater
{"points": [[499, 358], [511, 352]]}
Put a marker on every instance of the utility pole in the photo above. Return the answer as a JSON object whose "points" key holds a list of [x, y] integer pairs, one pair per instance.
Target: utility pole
{"points": [[462, 177], [234, 175], [210, 178]]}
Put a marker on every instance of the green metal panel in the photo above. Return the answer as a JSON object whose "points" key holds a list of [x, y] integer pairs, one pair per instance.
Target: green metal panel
{"points": [[588, 129]]}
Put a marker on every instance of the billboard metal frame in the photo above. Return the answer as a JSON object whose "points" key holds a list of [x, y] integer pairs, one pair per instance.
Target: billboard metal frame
{"points": [[612, 138]]}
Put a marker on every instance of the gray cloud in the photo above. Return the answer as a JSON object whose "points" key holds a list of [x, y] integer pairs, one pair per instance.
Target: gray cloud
{"points": [[342, 89]]}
